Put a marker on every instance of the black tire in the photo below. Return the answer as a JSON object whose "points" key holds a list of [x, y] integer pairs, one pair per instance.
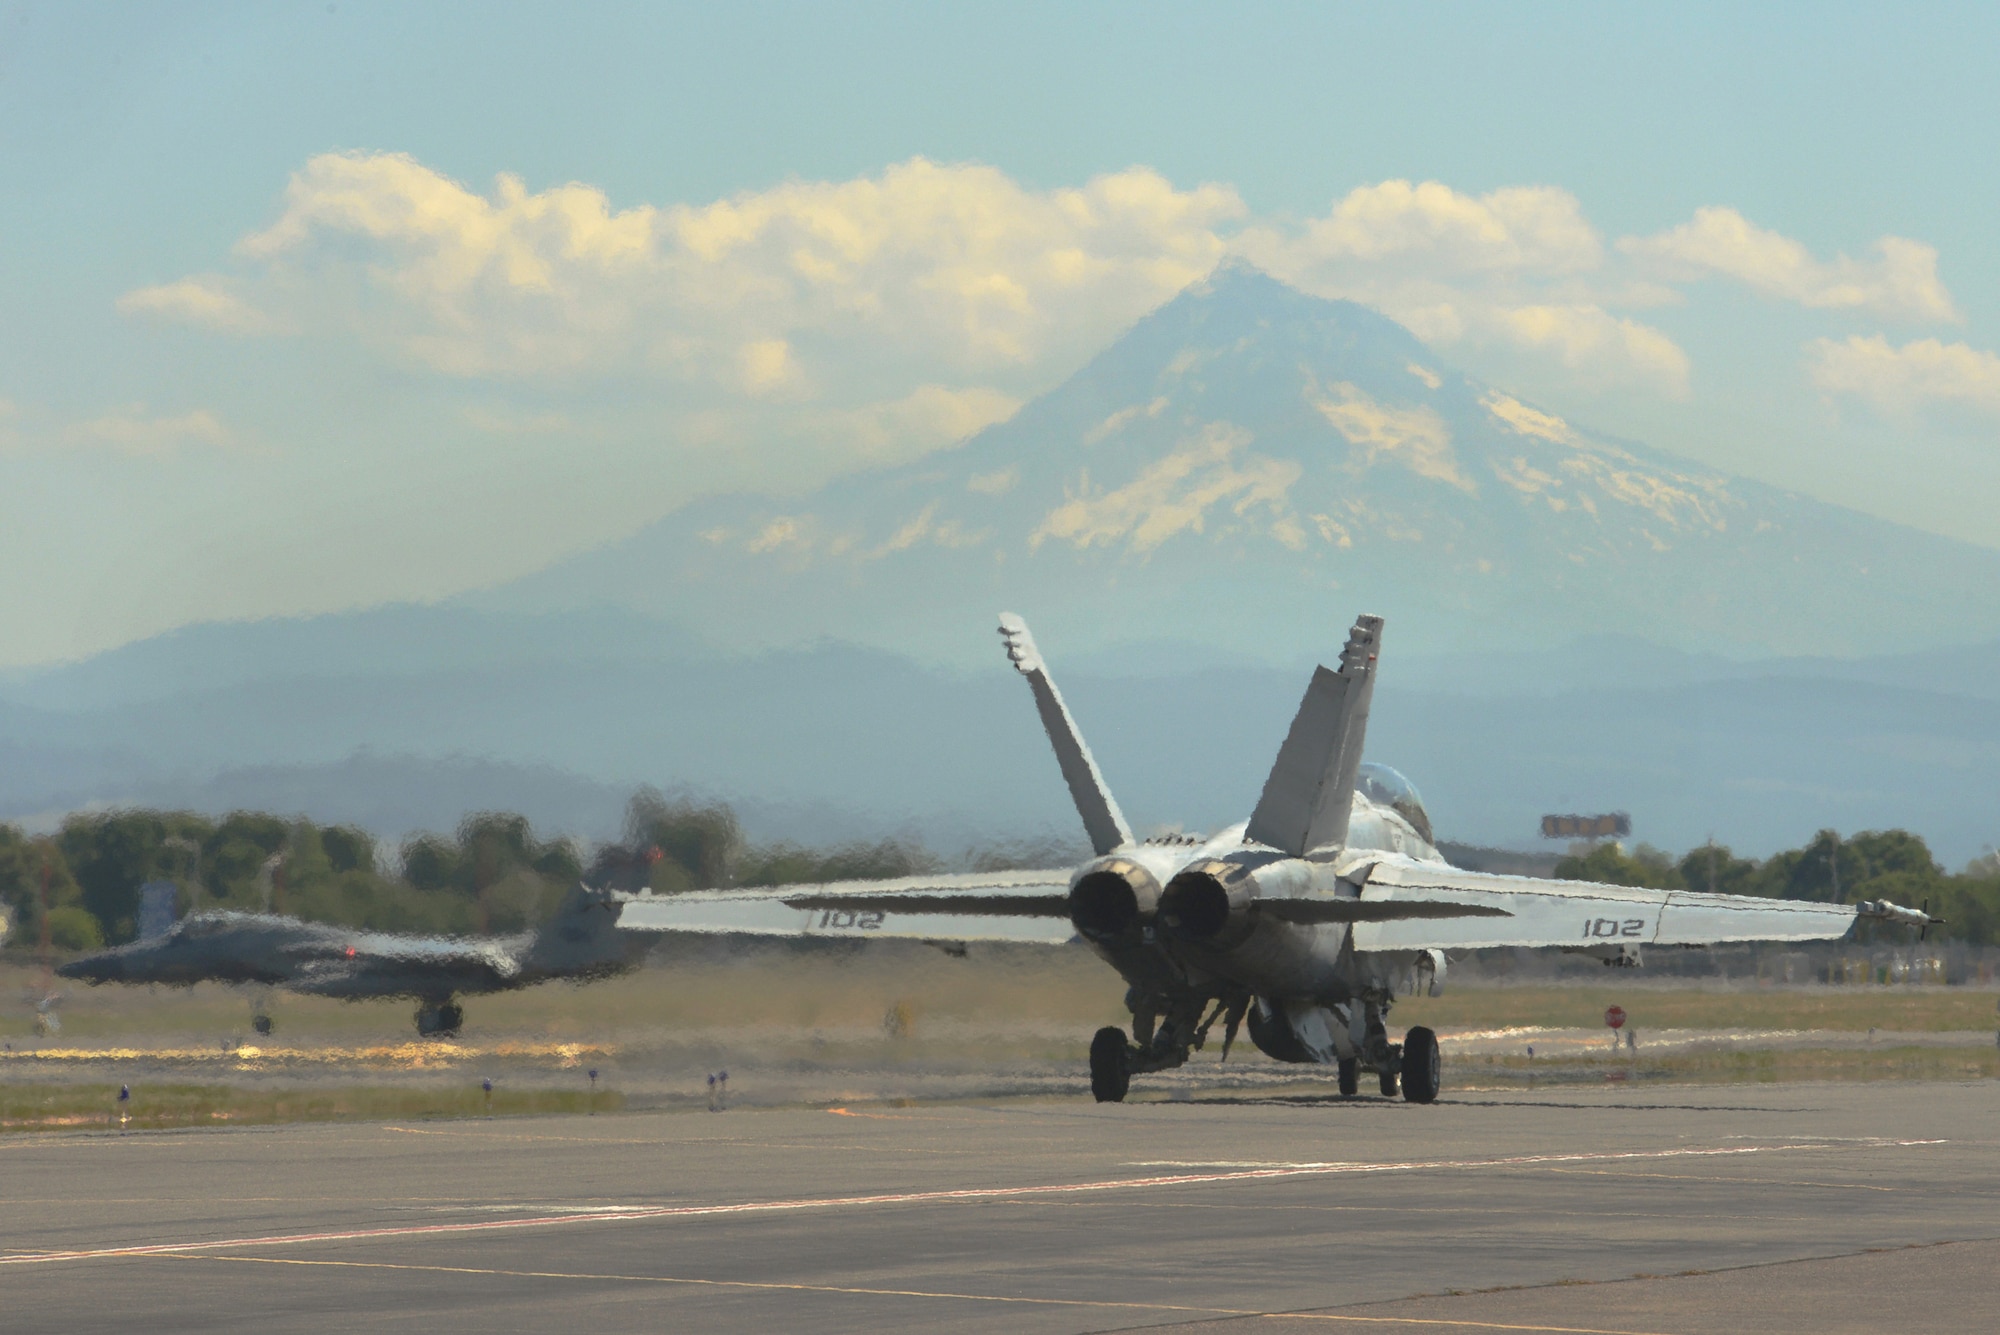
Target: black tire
{"points": [[1389, 1083], [439, 1019], [262, 1024], [1423, 1068], [1110, 1066], [1350, 1077]]}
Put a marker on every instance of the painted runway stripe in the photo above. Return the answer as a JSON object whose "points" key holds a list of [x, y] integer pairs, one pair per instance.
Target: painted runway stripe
{"points": [[958, 1194], [947, 1295]]}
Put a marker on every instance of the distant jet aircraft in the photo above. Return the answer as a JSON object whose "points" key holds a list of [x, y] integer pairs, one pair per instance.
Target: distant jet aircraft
{"points": [[581, 941], [1308, 920]]}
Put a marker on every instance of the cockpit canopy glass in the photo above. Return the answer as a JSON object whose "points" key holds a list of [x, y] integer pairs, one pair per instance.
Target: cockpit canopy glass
{"points": [[201, 924], [1384, 786]]}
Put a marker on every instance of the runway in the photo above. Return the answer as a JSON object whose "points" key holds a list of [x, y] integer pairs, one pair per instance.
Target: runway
{"points": [[1814, 1208]]}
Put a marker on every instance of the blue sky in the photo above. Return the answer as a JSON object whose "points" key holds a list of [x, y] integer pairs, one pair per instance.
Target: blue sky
{"points": [[247, 367]]}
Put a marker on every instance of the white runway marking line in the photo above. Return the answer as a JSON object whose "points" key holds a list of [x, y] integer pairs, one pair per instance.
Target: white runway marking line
{"points": [[627, 1214]]}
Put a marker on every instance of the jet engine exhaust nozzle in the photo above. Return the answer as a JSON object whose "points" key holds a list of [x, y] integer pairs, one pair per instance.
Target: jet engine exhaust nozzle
{"points": [[1113, 899], [1208, 903]]}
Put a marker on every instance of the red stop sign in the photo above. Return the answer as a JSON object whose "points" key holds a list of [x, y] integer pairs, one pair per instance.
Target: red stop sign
{"points": [[1615, 1017]]}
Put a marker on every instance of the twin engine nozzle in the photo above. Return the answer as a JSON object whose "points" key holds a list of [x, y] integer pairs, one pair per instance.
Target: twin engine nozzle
{"points": [[1114, 899], [1207, 902]]}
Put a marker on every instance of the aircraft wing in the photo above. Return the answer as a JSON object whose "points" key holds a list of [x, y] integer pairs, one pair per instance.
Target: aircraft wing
{"points": [[1030, 906], [1533, 912]]}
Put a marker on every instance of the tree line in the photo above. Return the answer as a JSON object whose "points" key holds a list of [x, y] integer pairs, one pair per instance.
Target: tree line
{"points": [[493, 874], [79, 887]]}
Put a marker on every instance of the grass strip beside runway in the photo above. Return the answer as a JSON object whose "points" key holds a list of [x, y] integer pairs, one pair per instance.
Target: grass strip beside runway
{"points": [[54, 1107]]}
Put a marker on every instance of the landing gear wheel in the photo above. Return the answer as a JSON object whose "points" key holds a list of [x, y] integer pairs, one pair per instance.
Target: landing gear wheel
{"points": [[262, 1024], [1389, 1084], [1423, 1069], [1350, 1077], [439, 1019], [1110, 1066]]}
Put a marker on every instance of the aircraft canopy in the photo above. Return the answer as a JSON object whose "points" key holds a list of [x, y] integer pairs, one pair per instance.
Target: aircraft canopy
{"points": [[1384, 786]]}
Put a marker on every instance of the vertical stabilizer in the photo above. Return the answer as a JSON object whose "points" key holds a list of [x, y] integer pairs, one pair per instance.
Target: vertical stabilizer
{"points": [[1102, 819], [158, 904], [1310, 793], [582, 939]]}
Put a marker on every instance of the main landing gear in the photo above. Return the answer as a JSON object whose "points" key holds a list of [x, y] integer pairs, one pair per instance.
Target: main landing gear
{"points": [[1164, 1032], [440, 1019], [1412, 1068], [1110, 1065], [1423, 1068]]}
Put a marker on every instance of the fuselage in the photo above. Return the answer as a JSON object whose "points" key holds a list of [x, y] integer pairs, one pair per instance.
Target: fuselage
{"points": [[309, 957], [1176, 916]]}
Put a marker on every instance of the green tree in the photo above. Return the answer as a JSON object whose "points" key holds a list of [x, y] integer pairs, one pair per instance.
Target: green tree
{"points": [[789, 864], [700, 842], [1713, 866], [72, 927], [348, 848], [234, 854], [111, 854], [1611, 864], [24, 860]]}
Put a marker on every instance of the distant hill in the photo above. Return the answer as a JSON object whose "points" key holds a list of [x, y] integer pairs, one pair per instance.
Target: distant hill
{"points": [[836, 741]]}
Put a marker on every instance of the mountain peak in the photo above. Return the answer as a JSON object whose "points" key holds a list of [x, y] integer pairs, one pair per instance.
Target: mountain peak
{"points": [[1255, 464]]}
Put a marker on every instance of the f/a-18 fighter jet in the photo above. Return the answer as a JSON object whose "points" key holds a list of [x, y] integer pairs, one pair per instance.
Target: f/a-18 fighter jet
{"points": [[1308, 920], [581, 941]]}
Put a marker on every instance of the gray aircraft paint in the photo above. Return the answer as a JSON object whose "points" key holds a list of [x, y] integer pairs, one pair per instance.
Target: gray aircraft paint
{"points": [[581, 941]]}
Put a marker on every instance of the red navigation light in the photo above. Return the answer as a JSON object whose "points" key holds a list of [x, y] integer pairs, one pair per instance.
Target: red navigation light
{"points": [[350, 955]]}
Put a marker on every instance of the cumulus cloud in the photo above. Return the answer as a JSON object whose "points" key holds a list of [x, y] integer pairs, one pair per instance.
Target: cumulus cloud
{"points": [[133, 431], [205, 302], [1538, 228], [890, 313], [1585, 337], [945, 266], [1900, 380], [1901, 282], [1520, 267]]}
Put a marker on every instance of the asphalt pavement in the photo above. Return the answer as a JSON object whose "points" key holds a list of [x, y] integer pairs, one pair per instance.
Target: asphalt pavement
{"points": [[1808, 1208]]}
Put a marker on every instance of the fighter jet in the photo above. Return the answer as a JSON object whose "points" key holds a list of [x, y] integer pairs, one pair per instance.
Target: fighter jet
{"points": [[581, 941], [1308, 920]]}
